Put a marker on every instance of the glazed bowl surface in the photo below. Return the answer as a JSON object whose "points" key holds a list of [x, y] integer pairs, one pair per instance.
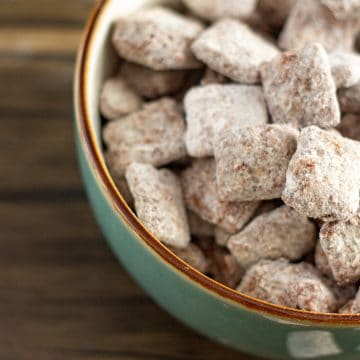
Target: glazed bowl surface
{"points": [[231, 318]]}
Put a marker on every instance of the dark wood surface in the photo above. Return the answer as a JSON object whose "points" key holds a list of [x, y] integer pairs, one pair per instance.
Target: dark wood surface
{"points": [[63, 295]]}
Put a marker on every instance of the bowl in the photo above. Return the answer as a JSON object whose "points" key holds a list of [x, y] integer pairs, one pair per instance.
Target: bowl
{"points": [[229, 317]]}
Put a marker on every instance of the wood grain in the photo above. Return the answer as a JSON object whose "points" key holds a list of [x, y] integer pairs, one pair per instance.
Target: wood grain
{"points": [[50, 40], [63, 295], [38, 13]]}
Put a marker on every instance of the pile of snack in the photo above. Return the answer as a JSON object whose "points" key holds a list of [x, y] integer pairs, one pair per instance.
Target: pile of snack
{"points": [[233, 130]]}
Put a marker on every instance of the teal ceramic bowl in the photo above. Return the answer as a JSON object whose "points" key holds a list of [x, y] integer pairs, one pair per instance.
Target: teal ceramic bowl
{"points": [[212, 309]]}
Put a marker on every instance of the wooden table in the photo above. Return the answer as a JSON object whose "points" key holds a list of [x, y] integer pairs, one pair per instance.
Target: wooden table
{"points": [[63, 294]]}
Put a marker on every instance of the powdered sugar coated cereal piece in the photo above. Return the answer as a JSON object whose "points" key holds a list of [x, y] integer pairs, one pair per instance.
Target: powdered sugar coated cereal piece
{"points": [[299, 88], [278, 233], [343, 293], [200, 193], [152, 84], [153, 135], [159, 203], [118, 98], [340, 241], [193, 256], [349, 99], [343, 9], [217, 9], [157, 38], [310, 20], [234, 50], [323, 178], [198, 226], [321, 261], [225, 268], [213, 108], [298, 286], [345, 68], [251, 163], [350, 126]]}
